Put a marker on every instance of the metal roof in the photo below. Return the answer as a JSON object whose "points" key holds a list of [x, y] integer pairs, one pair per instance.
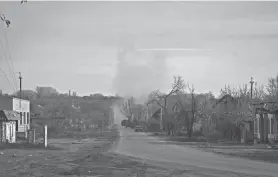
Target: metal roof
{"points": [[6, 115]]}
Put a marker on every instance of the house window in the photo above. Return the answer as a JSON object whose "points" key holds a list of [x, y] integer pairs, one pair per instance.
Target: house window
{"points": [[20, 118], [24, 118], [260, 119], [269, 125], [256, 125], [276, 131], [28, 118], [272, 125]]}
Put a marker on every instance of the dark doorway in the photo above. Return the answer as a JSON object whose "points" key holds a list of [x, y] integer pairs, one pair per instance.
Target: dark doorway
{"points": [[16, 125]]}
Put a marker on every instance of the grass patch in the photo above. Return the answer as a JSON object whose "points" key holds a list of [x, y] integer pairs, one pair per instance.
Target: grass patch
{"points": [[85, 134], [266, 155], [27, 146], [90, 158]]}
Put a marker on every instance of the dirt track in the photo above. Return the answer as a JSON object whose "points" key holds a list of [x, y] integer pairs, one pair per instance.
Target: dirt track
{"points": [[193, 162]]}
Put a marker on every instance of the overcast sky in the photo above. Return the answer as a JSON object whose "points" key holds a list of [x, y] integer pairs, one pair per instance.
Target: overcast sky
{"points": [[75, 45]]}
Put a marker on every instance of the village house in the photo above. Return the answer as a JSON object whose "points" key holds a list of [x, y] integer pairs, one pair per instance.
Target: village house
{"points": [[233, 117], [153, 123], [111, 116], [167, 121], [22, 107], [8, 121], [265, 122]]}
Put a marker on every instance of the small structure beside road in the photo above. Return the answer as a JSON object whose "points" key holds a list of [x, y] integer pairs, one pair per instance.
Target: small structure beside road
{"points": [[23, 108], [8, 126], [265, 121]]}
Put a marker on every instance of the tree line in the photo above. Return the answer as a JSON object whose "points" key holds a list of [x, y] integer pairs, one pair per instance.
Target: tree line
{"points": [[182, 107]]}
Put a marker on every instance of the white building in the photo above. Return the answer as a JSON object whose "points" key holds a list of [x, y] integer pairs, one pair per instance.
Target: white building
{"points": [[21, 106]]}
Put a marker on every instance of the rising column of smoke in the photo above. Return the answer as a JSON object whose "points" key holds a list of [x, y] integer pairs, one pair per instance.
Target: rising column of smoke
{"points": [[138, 79]]}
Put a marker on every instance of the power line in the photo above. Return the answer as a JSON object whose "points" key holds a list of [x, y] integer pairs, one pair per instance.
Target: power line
{"points": [[7, 79], [3, 18], [10, 56], [7, 23], [7, 61]]}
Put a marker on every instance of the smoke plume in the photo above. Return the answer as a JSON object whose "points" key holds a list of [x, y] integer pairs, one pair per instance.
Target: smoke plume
{"points": [[140, 72]]}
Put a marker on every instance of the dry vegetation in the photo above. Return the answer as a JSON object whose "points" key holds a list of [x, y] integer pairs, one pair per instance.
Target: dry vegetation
{"points": [[79, 156], [247, 152]]}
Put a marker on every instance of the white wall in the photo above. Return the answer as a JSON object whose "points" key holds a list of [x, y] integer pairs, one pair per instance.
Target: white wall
{"points": [[7, 131], [22, 106]]}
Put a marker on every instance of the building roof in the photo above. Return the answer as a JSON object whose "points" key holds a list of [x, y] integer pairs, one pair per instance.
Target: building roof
{"points": [[156, 114], [6, 115], [153, 121], [269, 111]]}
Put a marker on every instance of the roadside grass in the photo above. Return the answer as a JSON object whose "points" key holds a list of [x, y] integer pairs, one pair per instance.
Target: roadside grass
{"points": [[85, 154], [224, 147], [27, 146], [251, 153]]}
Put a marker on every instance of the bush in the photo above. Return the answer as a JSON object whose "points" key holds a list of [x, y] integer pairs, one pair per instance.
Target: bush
{"points": [[198, 133], [214, 136]]}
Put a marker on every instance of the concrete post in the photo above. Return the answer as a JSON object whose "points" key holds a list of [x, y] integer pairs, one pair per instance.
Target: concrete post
{"points": [[26, 132], [34, 135], [45, 136]]}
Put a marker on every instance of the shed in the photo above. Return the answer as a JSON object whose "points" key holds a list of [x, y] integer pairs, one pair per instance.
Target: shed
{"points": [[8, 125]]}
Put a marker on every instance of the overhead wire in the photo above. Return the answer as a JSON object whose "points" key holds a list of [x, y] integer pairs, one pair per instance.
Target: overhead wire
{"points": [[5, 75], [11, 68], [12, 73], [10, 57], [3, 18]]}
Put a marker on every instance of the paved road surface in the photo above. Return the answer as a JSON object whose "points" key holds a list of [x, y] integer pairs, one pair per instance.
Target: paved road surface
{"points": [[199, 163]]}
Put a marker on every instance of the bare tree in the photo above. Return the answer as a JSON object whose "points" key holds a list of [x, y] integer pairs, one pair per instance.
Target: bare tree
{"points": [[183, 108], [236, 104], [258, 92], [272, 89], [126, 108], [193, 110], [188, 108], [161, 98]]}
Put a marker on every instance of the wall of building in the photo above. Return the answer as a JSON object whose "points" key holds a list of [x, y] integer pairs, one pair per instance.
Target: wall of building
{"points": [[19, 105], [22, 106], [7, 131], [111, 116]]}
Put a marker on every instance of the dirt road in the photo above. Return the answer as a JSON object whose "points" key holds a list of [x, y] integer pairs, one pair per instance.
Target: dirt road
{"points": [[196, 163]]}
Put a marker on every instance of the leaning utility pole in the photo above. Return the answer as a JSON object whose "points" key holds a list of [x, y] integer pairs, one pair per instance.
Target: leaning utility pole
{"points": [[161, 118], [251, 82]]}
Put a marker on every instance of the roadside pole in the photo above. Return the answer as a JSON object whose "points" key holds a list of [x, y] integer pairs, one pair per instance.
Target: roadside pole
{"points": [[161, 118], [101, 125], [45, 136], [147, 112]]}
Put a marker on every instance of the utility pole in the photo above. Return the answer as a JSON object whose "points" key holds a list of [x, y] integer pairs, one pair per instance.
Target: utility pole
{"points": [[147, 112], [20, 85], [251, 82], [161, 118]]}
